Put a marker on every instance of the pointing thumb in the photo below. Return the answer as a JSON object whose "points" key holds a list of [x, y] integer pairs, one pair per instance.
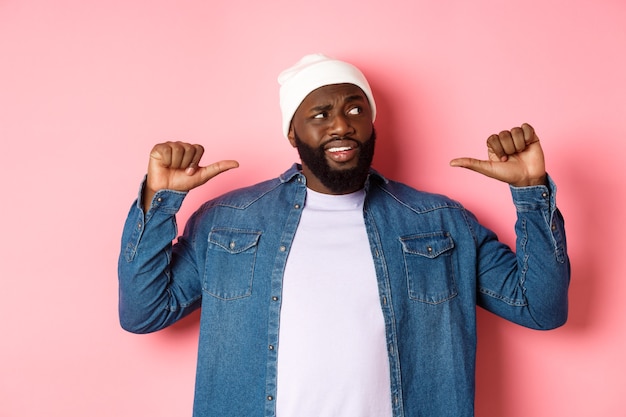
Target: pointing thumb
{"points": [[482, 167], [214, 169], [469, 163]]}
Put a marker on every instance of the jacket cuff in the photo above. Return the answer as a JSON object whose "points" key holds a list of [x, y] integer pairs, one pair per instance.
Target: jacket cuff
{"points": [[164, 201], [535, 197]]}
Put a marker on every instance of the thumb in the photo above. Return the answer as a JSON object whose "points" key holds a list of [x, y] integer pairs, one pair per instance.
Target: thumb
{"points": [[207, 172], [469, 163], [482, 167]]}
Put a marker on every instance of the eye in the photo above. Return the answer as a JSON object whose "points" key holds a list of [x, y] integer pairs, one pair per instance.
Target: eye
{"points": [[321, 115], [355, 111]]}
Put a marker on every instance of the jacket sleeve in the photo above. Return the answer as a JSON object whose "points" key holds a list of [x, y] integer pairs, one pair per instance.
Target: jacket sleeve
{"points": [[157, 285], [531, 287]]}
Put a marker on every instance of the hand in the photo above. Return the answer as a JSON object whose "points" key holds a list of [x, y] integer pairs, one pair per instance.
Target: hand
{"points": [[174, 166], [514, 156]]}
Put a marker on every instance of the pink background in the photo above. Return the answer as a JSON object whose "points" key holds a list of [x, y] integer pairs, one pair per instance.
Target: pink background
{"points": [[86, 89]]}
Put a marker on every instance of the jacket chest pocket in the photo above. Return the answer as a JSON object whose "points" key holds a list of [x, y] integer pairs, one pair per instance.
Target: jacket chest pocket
{"points": [[230, 261], [429, 267]]}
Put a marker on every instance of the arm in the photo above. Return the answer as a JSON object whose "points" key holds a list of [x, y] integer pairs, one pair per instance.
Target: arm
{"points": [[158, 283], [531, 287], [528, 287]]}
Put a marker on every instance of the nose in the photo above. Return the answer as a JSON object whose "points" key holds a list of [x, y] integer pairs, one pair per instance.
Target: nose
{"points": [[340, 126]]}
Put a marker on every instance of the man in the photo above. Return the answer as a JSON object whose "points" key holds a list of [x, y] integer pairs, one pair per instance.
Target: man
{"points": [[331, 290]]}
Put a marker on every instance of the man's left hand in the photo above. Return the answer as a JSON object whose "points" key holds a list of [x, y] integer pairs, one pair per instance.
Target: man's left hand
{"points": [[514, 156]]}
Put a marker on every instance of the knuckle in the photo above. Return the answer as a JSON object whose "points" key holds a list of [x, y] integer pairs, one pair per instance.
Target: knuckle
{"points": [[161, 149]]}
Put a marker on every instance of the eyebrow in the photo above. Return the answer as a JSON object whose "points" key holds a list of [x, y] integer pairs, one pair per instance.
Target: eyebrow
{"points": [[354, 97], [327, 107]]}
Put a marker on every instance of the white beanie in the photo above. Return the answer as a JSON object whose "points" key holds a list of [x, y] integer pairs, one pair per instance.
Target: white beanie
{"points": [[312, 72]]}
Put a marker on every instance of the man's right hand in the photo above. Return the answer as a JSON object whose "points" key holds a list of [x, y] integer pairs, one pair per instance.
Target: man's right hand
{"points": [[175, 166]]}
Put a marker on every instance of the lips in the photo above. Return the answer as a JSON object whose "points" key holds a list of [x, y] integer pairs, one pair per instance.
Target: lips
{"points": [[341, 150]]}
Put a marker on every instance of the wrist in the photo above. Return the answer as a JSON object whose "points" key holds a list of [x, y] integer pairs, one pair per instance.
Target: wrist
{"points": [[531, 182], [146, 198]]}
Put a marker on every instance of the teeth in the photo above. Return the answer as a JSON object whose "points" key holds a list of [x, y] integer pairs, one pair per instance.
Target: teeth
{"points": [[339, 149]]}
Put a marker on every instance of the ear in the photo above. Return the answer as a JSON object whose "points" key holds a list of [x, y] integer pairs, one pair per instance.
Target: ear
{"points": [[291, 136]]}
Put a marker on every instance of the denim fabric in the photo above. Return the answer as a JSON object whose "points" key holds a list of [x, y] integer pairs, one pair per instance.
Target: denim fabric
{"points": [[434, 262]]}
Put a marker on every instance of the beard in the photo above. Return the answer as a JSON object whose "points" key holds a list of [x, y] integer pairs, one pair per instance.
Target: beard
{"points": [[339, 181]]}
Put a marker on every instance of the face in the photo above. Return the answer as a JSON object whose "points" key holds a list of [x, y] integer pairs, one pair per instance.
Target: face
{"points": [[333, 132]]}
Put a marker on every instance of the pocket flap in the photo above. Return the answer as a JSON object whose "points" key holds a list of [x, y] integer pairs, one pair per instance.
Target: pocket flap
{"points": [[234, 240], [430, 245]]}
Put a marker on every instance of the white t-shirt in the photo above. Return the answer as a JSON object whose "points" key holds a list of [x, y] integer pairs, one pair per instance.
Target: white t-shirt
{"points": [[332, 354]]}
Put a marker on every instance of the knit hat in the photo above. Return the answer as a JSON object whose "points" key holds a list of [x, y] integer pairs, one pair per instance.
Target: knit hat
{"points": [[312, 72]]}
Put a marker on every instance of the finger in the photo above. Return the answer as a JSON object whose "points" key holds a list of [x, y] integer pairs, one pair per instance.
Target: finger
{"points": [[182, 155], [529, 134], [506, 140], [194, 155], [216, 168], [162, 153], [490, 169], [495, 146], [187, 154], [471, 163], [172, 155], [460, 162], [519, 141]]}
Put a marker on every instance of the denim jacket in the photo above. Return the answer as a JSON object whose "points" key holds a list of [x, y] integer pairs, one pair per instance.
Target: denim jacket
{"points": [[434, 263]]}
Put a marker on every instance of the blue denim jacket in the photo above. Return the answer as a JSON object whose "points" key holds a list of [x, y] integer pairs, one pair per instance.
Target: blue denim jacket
{"points": [[434, 264]]}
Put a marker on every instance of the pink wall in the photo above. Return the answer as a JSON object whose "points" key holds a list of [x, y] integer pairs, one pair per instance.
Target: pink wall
{"points": [[86, 88]]}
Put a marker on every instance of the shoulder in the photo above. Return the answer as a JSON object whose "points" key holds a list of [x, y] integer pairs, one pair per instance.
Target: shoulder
{"points": [[393, 192], [245, 197], [241, 198]]}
